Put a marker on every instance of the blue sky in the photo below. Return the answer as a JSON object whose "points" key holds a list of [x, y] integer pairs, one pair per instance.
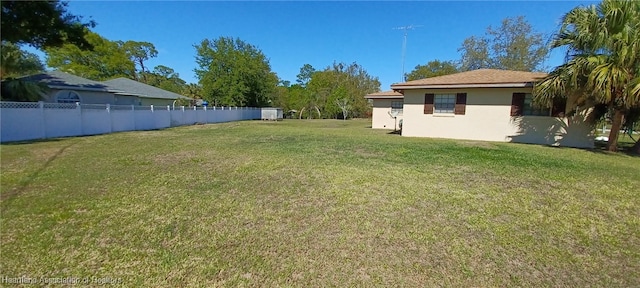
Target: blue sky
{"points": [[291, 34]]}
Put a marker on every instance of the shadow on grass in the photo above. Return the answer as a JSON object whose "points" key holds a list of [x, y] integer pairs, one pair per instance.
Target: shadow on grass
{"points": [[34, 141], [623, 148], [600, 147], [396, 132], [27, 181]]}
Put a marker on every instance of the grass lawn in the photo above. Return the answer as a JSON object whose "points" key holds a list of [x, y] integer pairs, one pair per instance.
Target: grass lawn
{"points": [[317, 203]]}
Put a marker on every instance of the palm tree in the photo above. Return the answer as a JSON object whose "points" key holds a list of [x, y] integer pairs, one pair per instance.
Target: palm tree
{"points": [[603, 62], [16, 62]]}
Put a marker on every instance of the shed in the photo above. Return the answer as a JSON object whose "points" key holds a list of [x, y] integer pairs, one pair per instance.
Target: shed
{"points": [[271, 113]]}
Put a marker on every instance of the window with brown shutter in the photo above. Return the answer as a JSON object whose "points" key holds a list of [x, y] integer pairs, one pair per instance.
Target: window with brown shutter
{"points": [[517, 104], [428, 103], [461, 104]]}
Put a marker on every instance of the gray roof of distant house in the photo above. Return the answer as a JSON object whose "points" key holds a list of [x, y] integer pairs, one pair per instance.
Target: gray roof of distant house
{"points": [[135, 88], [62, 80]]}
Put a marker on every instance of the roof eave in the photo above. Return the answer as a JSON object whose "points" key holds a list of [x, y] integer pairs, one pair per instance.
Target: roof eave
{"points": [[384, 97], [453, 86]]}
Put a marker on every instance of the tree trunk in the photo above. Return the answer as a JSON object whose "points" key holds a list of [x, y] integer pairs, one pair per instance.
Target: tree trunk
{"points": [[636, 148], [616, 124]]}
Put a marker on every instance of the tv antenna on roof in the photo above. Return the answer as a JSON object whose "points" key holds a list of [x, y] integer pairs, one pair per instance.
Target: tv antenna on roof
{"points": [[404, 43]]}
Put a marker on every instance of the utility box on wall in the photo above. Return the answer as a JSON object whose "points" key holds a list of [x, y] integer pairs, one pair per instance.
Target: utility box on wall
{"points": [[271, 113]]}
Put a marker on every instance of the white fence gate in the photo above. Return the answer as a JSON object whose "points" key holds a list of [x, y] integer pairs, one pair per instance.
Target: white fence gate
{"points": [[21, 121]]}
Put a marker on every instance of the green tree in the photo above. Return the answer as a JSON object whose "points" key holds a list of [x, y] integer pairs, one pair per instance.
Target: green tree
{"points": [[512, 46], [42, 24], [296, 98], [475, 54], [18, 90], [107, 60], [165, 78], [306, 71], [432, 69], [139, 52], [343, 104], [603, 67], [234, 73], [16, 62], [192, 90], [341, 81]]}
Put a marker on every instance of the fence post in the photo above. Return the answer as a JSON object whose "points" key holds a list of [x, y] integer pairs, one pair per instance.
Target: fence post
{"points": [[110, 120], [133, 117], [43, 122], [81, 123]]}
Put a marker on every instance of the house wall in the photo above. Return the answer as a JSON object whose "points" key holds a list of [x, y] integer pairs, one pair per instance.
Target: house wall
{"points": [[487, 118], [380, 115], [156, 102], [94, 97], [126, 100], [86, 97]]}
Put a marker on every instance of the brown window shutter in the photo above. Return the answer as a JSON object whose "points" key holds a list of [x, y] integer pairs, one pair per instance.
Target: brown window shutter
{"points": [[461, 104], [517, 104], [428, 103], [558, 108]]}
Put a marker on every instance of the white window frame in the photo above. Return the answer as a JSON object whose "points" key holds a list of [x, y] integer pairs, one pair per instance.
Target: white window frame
{"points": [[444, 104], [68, 99], [398, 106]]}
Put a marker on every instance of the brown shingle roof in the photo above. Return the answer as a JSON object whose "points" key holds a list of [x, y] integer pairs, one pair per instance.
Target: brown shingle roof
{"points": [[475, 78], [384, 94]]}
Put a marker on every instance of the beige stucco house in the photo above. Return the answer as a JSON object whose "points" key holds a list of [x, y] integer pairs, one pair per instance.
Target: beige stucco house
{"points": [[387, 109], [487, 105]]}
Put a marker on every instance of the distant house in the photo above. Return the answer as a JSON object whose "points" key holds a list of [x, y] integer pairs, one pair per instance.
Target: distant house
{"points": [[488, 105], [68, 88], [387, 109], [146, 94]]}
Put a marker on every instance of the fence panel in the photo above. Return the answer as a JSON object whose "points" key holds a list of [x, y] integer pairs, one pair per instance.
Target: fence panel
{"points": [[201, 116], [177, 118], [189, 117], [95, 121], [162, 118], [144, 120], [122, 120], [62, 122], [27, 120], [21, 124]]}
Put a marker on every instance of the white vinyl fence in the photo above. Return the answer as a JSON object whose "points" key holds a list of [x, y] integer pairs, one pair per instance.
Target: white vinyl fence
{"points": [[37, 120]]}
